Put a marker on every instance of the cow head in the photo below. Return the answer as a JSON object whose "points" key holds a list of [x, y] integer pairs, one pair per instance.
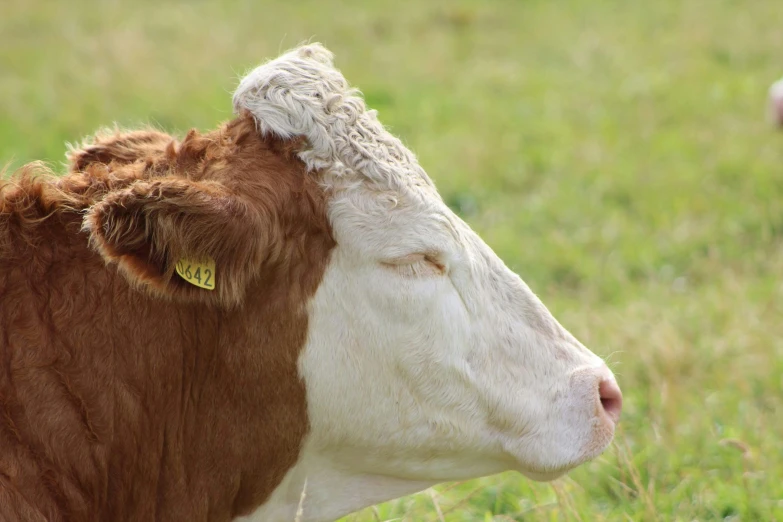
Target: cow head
{"points": [[427, 358]]}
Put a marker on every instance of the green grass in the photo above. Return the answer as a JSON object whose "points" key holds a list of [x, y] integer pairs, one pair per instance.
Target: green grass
{"points": [[614, 153]]}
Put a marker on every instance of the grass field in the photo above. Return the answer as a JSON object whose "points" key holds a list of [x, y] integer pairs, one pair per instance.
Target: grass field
{"points": [[615, 153]]}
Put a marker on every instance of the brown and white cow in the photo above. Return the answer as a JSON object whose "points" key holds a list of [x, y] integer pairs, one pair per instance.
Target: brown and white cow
{"points": [[356, 341]]}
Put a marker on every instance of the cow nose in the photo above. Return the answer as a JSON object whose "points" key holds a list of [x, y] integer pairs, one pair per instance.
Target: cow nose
{"points": [[611, 398]]}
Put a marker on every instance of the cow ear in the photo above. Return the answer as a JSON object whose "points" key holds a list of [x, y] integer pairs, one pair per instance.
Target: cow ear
{"points": [[150, 226]]}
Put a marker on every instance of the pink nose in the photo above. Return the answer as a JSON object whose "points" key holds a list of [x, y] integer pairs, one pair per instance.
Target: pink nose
{"points": [[611, 398]]}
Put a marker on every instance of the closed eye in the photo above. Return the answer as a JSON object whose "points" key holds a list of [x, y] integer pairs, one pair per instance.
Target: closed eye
{"points": [[416, 265]]}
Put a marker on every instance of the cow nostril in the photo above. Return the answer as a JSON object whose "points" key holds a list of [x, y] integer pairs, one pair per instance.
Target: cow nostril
{"points": [[611, 398]]}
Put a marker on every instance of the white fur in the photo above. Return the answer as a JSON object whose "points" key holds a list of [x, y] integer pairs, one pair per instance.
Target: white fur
{"points": [[416, 372]]}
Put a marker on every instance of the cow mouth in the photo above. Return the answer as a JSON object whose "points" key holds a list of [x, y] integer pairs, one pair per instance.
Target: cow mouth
{"points": [[603, 435]]}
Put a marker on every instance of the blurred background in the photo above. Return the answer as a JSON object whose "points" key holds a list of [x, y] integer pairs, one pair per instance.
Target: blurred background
{"points": [[615, 153]]}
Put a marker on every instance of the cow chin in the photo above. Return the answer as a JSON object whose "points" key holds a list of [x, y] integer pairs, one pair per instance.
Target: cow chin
{"points": [[555, 471], [544, 476], [557, 455]]}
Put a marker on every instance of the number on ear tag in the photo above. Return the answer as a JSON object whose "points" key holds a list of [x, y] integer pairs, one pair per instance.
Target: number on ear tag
{"points": [[201, 274]]}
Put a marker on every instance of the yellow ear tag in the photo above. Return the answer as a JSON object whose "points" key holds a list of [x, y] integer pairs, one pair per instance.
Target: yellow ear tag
{"points": [[201, 274]]}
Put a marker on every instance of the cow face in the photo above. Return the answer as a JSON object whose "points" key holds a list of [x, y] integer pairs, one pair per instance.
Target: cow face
{"points": [[427, 358], [422, 339]]}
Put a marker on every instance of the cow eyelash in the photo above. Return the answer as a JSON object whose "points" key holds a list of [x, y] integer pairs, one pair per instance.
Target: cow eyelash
{"points": [[416, 265]]}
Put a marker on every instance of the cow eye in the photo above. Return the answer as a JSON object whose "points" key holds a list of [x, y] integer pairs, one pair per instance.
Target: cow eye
{"points": [[416, 265]]}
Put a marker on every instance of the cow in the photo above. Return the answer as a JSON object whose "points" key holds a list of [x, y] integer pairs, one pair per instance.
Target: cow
{"points": [[775, 103], [278, 319]]}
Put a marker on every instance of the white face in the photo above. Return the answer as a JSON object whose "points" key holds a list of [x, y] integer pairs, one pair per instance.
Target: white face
{"points": [[428, 359]]}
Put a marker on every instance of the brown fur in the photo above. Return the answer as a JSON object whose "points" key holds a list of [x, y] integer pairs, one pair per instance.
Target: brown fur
{"points": [[125, 392]]}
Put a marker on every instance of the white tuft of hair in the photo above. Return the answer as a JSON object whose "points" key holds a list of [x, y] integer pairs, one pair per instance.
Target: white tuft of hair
{"points": [[302, 93]]}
